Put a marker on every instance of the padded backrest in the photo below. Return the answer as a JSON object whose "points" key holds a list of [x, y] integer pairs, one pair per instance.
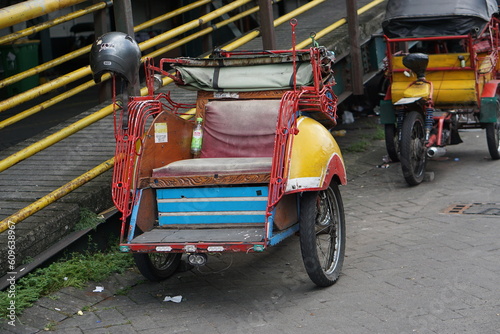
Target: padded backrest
{"points": [[245, 78], [239, 128]]}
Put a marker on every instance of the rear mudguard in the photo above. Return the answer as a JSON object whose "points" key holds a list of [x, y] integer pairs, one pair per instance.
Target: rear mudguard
{"points": [[387, 112], [489, 104], [315, 158]]}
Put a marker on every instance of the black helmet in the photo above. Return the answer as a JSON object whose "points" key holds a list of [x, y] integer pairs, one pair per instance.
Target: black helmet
{"points": [[115, 52]]}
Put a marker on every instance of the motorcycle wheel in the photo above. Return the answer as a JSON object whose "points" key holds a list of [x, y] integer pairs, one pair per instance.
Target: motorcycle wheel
{"points": [[413, 150], [492, 138], [493, 135], [392, 142], [157, 266], [322, 234]]}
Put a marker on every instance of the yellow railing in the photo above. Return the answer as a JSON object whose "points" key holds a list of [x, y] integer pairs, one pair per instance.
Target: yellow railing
{"points": [[77, 74], [48, 24], [31, 9]]}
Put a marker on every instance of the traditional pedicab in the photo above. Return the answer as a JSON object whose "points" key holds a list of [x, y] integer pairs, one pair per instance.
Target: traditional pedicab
{"points": [[268, 166], [442, 63]]}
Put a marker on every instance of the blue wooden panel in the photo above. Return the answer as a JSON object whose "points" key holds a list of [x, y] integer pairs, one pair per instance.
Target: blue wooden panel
{"points": [[212, 192], [213, 206], [212, 219], [229, 205]]}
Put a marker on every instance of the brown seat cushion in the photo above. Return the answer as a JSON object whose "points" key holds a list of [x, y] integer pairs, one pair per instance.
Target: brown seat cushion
{"points": [[206, 166]]}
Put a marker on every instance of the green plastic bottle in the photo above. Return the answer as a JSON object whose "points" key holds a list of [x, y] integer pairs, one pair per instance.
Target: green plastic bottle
{"points": [[197, 138]]}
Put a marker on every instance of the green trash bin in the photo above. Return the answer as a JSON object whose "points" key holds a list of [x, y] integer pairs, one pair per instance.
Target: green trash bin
{"points": [[16, 58]]}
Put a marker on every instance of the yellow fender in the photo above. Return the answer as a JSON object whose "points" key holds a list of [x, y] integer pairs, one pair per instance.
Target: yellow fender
{"points": [[315, 158]]}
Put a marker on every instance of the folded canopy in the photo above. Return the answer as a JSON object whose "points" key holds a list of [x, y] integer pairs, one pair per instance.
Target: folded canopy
{"points": [[424, 18]]}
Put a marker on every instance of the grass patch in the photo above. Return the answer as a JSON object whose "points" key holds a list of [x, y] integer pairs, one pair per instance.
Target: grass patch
{"points": [[359, 146], [379, 134], [88, 219], [50, 326], [76, 271]]}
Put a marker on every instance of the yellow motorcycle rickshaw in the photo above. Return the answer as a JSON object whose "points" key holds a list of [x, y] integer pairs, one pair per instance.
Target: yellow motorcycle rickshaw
{"points": [[442, 65]]}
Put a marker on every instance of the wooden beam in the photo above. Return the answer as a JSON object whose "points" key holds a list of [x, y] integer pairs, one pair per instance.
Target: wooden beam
{"points": [[267, 24], [355, 48]]}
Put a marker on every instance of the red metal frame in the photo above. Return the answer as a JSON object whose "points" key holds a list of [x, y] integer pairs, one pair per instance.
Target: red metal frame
{"points": [[201, 247], [129, 129]]}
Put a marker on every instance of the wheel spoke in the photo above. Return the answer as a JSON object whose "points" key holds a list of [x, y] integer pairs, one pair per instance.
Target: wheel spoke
{"points": [[322, 235], [329, 225], [413, 151]]}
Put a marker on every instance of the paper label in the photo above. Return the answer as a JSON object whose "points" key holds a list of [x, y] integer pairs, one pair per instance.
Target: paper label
{"points": [[161, 133]]}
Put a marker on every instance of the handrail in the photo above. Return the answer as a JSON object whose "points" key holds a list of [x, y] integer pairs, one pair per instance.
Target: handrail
{"points": [[76, 53], [54, 138], [192, 24], [45, 66], [55, 195], [338, 24], [31, 9], [44, 105], [203, 32], [171, 14], [48, 24], [282, 19]]}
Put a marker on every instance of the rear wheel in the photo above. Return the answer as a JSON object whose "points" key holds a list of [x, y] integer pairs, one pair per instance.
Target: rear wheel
{"points": [[493, 134], [492, 138], [413, 150], [322, 234], [157, 266], [392, 142]]}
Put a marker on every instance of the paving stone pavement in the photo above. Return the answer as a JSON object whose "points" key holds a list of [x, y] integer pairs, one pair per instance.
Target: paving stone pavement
{"points": [[409, 267]]}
